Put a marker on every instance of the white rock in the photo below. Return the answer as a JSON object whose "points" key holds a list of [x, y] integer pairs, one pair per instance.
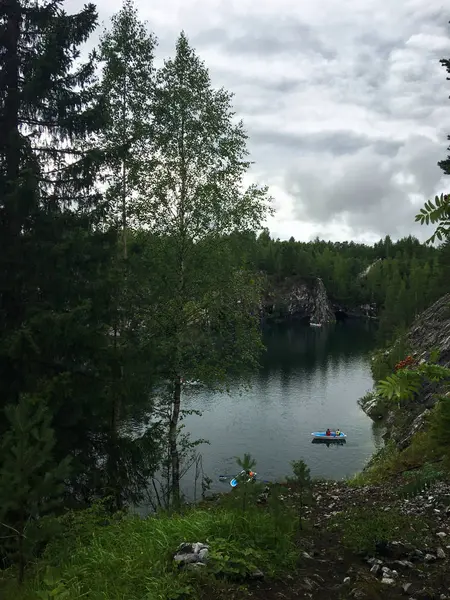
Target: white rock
{"points": [[374, 569], [347, 580], [388, 581], [203, 554], [440, 553], [441, 534], [429, 557]]}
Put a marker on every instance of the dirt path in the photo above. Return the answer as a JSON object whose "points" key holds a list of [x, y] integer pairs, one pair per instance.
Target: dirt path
{"points": [[410, 566]]}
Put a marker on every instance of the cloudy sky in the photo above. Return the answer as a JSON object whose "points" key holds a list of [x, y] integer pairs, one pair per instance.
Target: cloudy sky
{"points": [[345, 102]]}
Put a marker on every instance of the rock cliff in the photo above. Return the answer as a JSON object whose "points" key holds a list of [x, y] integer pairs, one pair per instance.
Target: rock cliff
{"points": [[299, 300], [429, 332]]}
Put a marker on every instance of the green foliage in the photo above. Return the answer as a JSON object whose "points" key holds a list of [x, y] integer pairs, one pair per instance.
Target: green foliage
{"points": [[400, 386], [31, 483], [380, 466], [440, 424], [229, 559], [303, 485], [416, 482], [383, 361], [302, 474], [247, 464], [404, 384], [131, 558], [126, 54], [439, 212], [362, 530]]}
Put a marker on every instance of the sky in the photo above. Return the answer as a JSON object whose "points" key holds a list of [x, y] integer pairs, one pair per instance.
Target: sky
{"points": [[345, 102]]}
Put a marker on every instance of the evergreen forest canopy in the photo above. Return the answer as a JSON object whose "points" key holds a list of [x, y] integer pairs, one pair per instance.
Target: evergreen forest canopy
{"points": [[132, 259]]}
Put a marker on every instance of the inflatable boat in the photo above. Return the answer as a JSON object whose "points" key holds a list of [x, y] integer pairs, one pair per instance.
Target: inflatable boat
{"points": [[322, 435]]}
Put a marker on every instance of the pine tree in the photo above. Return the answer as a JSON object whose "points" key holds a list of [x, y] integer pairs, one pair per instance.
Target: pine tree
{"points": [[31, 483], [55, 257], [192, 198]]}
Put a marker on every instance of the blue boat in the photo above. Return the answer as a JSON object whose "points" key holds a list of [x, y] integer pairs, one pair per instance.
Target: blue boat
{"points": [[322, 435]]}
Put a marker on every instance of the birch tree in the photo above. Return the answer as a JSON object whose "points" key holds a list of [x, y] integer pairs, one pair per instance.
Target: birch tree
{"points": [[127, 53], [193, 197]]}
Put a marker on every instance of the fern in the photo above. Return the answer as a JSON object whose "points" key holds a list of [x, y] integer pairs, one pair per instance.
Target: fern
{"points": [[400, 386], [436, 213], [404, 384]]}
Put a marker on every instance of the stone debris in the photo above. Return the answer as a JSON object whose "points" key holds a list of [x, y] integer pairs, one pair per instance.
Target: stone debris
{"points": [[192, 554]]}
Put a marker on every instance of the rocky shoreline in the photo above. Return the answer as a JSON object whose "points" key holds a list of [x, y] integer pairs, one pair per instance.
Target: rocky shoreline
{"points": [[429, 334], [417, 567]]}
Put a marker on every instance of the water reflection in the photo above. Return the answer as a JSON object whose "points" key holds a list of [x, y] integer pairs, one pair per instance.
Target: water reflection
{"points": [[310, 379]]}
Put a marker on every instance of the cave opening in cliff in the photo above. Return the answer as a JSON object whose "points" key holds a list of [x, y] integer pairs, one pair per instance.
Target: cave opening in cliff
{"points": [[341, 315]]}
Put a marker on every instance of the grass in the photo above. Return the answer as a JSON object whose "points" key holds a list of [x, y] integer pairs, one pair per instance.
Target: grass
{"points": [[362, 531], [390, 462], [130, 558]]}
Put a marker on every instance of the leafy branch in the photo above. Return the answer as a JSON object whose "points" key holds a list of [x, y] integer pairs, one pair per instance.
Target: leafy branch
{"points": [[439, 212]]}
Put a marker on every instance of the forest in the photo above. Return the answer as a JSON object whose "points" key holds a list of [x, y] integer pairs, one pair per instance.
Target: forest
{"points": [[133, 259]]}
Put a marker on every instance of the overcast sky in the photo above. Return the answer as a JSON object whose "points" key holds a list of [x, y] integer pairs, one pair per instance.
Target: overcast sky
{"points": [[345, 102]]}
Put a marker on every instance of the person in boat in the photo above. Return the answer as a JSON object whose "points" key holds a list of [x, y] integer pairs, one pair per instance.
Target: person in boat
{"points": [[338, 432], [328, 432]]}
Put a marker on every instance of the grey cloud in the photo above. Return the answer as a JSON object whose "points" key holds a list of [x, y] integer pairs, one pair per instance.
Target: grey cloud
{"points": [[357, 59], [337, 143], [265, 37], [366, 191]]}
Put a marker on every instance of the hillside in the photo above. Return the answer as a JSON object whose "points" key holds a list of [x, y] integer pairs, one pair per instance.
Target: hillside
{"points": [[429, 335], [365, 542]]}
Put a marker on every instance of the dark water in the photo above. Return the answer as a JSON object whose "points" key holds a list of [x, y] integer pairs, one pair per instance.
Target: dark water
{"points": [[310, 379]]}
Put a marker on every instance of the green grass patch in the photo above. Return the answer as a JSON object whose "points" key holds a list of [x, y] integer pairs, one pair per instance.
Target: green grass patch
{"points": [[100, 558], [362, 530], [390, 462]]}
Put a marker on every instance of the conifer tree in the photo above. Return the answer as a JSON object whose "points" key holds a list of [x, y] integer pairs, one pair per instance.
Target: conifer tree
{"points": [[55, 256], [31, 483]]}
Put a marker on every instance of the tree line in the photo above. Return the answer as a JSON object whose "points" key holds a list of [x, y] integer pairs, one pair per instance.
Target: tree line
{"points": [[399, 278], [131, 262]]}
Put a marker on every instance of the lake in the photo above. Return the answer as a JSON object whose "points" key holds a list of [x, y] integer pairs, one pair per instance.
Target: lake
{"points": [[310, 379]]}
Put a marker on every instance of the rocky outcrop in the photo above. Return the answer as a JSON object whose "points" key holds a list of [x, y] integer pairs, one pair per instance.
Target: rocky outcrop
{"points": [[429, 333], [299, 300]]}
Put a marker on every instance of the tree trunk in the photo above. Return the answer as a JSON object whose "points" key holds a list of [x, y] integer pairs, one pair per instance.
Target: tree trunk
{"points": [[14, 211], [176, 400], [173, 446], [124, 209], [113, 457], [124, 168], [21, 550], [9, 129]]}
